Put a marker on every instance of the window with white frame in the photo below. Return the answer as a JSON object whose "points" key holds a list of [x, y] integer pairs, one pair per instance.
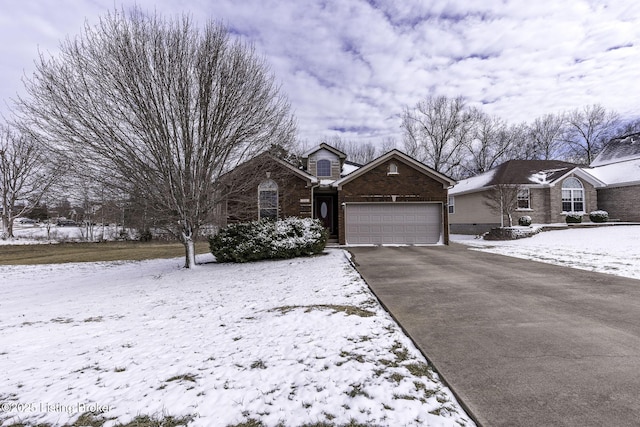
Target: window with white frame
{"points": [[524, 199], [324, 167], [452, 204], [268, 199], [572, 195]]}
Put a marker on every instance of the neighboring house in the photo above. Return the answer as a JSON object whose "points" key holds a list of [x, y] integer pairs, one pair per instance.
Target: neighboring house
{"points": [[618, 166], [548, 190], [393, 199]]}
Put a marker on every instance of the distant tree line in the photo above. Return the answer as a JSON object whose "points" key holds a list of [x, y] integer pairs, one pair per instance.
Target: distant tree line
{"points": [[460, 141]]}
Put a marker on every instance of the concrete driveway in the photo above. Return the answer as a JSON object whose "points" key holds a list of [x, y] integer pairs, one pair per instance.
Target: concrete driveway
{"points": [[521, 343]]}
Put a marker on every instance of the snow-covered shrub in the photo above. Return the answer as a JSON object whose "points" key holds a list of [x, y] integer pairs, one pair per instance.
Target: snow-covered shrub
{"points": [[524, 221], [511, 233], [599, 216], [573, 218], [267, 239]]}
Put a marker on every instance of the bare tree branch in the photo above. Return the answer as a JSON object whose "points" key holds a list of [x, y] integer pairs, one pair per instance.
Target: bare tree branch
{"points": [[588, 129], [26, 175], [503, 200], [158, 108], [436, 131]]}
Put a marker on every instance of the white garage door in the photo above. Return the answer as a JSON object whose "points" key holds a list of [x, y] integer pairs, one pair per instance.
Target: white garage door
{"points": [[393, 223]]}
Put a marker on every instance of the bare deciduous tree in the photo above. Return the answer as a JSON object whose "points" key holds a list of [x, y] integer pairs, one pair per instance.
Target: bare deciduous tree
{"points": [[588, 129], [357, 152], [388, 144], [162, 106], [436, 131], [493, 142], [503, 200], [546, 135], [627, 127], [26, 174]]}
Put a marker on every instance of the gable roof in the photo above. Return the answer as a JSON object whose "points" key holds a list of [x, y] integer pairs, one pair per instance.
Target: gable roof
{"points": [[302, 174], [620, 149], [399, 155], [327, 147], [299, 172], [523, 172]]}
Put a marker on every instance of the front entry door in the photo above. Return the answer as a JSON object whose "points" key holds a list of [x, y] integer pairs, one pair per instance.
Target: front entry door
{"points": [[324, 212]]}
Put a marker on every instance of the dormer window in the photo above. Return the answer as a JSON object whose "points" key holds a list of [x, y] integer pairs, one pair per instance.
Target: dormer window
{"points": [[393, 169], [324, 167]]}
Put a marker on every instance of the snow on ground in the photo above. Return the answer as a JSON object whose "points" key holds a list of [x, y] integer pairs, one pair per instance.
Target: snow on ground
{"points": [[293, 341], [609, 249]]}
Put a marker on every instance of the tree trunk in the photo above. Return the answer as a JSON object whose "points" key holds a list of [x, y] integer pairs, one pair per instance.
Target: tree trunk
{"points": [[10, 228], [189, 246]]}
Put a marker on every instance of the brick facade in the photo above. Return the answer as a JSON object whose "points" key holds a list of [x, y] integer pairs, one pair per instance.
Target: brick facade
{"points": [[241, 202], [408, 185], [622, 203], [546, 203], [299, 191]]}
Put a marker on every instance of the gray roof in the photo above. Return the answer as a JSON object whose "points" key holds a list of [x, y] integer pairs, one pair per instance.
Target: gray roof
{"points": [[521, 171], [516, 172], [619, 150]]}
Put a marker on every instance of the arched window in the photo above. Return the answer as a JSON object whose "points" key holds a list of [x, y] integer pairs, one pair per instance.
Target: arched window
{"points": [[324, 167], [268, 199], [572, 195], [393, 169]]}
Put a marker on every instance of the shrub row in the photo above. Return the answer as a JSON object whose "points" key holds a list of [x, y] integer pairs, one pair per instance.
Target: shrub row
{"points": [[268, 239], [595, 216]]}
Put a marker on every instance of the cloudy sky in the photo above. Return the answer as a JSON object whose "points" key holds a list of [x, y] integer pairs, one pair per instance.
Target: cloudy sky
{"points": [[349, 67]]}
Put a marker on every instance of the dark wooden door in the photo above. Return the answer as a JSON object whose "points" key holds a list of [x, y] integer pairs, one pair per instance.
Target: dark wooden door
{"points": [[324, 212]]}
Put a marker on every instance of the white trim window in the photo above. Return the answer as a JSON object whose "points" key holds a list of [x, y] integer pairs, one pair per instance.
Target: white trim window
{"points": [[452, 204], [268, 199], [323, 167], [572, 195], [524, 199]]}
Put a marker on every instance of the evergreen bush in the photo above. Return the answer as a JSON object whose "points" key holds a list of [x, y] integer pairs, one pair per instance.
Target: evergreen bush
{"points": [[524, 221], [599, 216], [268, 239], [574, 218]]}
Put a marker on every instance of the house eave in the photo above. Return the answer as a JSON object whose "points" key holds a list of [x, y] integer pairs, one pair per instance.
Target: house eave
{"points": [[302, 174], [581, 173], [327, 147]]}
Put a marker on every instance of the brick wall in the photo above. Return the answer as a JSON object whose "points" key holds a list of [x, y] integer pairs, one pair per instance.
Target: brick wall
{"points": [[555, 196], [622, 203], [408, 185], [241, 202]]}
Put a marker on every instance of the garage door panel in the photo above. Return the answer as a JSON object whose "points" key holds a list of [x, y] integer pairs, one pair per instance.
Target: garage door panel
{"points": [[393, 223]]}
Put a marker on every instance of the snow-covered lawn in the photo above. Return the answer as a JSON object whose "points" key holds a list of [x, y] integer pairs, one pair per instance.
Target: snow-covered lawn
{"points": [[33, 234], [294, 342], [610, 249]]}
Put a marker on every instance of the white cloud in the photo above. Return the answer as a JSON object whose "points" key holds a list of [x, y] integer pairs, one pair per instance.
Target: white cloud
{"points": [[355, 64]]}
